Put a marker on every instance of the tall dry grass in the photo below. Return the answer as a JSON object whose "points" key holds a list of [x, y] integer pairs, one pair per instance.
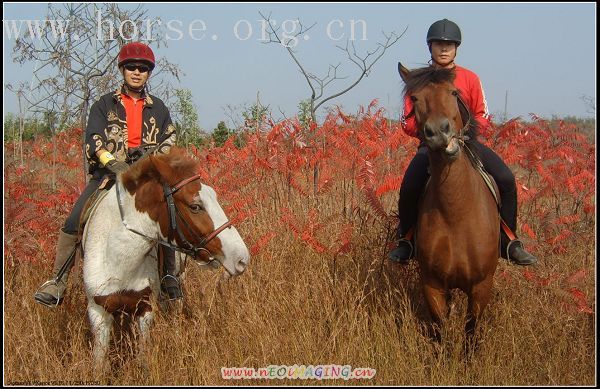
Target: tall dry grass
{"points": [[296, 306]]}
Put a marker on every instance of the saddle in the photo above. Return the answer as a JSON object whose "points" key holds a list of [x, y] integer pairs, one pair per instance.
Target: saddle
{"points": [[487, 178], [491, 184], [107, 182]]}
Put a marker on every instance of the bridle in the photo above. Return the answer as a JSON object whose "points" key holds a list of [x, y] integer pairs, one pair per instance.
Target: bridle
{"points": [[461, 137], [174, 213]]}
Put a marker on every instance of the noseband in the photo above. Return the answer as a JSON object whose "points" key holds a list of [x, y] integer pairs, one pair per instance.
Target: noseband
{"points": [[174, 212]]}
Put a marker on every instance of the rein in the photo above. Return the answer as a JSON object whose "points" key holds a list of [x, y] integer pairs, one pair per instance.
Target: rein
{"points": [[188, 248], [475, 160], [461, 133]]}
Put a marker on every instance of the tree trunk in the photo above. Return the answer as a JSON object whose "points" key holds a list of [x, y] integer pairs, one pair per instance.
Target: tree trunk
{"points": [[21, 128], [83, 125]]}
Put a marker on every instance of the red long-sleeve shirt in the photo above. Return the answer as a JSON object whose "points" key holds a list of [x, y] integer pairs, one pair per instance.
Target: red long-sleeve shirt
{"points": [[471, 91]]}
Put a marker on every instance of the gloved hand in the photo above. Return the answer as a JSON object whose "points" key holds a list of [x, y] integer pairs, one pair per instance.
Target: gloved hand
{"points": [[109, 162], [116, 166]]}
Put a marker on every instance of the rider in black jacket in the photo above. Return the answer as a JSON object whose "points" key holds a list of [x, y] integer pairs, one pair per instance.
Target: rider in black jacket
{"points": [[122, 126]]}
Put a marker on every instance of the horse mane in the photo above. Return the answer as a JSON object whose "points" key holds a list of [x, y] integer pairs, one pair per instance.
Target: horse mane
{"points": [[181, 165], [419, 78]]}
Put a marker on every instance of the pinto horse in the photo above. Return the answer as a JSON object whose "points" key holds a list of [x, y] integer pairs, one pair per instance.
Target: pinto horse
{"points": [[458, 224], [158, 200]]}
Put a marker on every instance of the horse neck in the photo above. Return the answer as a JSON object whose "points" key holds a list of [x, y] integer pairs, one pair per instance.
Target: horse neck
{"points": [[453, 181], [115, 257], [131, 218]]}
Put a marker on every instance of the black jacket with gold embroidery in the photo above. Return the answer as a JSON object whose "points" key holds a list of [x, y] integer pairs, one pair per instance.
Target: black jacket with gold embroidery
{"points": [[107, 129]]}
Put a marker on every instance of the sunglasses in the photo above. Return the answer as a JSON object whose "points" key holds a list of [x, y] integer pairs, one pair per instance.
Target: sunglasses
{"points": [[140, 68]]}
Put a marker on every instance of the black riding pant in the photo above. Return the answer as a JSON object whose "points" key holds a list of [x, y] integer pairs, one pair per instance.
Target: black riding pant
{"points": [[71, 225], [416, 176]]}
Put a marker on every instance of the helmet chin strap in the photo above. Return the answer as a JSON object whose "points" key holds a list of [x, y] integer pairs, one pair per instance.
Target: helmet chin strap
{"points": [[130, 88], [136, 90]]}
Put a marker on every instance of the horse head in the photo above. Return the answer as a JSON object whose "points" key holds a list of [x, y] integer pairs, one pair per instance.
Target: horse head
{"points": [[442, 118], [167, 188]]}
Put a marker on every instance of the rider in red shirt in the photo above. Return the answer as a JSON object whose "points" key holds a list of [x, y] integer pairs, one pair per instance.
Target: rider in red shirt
{"points": [[443, 39]]}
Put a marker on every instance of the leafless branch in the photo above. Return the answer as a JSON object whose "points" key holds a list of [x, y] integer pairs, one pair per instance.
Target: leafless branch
{"points": [[316, 84]]}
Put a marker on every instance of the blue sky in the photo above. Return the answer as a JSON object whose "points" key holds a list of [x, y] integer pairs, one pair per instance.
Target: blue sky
{"points": [[542, 54]]}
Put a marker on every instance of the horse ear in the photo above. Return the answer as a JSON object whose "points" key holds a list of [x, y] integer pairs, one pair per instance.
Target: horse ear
{"points": [[162, 168], [139, 173], [404, 72]]}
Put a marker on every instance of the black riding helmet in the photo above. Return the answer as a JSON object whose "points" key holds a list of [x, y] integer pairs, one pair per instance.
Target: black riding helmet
{"points": [[444, 30]]}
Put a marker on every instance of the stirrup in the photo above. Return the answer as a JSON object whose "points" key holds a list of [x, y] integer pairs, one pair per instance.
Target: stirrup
{"points": [[412, 247], [517, 243], [177, 294], [410, 254], [509, 246], [36, 297]]}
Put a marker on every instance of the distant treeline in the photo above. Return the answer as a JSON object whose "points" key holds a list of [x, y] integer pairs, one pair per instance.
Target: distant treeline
{"points": [[33, 127]]}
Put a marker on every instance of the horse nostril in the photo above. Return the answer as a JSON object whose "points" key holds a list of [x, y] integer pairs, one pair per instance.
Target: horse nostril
{"points": [[428, 132], [445, 127]]}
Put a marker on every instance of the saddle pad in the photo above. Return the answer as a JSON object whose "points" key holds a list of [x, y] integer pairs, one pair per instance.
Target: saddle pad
{"points": [[94, 199]]}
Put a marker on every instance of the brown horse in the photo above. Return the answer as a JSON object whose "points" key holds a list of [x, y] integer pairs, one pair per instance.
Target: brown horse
{"points": [[458, 225]]}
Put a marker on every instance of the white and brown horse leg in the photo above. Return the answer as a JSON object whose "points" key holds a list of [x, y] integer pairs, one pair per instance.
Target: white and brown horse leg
{"points": [[479, 297], [101, 322]]}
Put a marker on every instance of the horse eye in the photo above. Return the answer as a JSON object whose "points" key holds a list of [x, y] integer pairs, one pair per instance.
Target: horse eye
{"points": [[413, 98], [195, 207], [454, 93]]}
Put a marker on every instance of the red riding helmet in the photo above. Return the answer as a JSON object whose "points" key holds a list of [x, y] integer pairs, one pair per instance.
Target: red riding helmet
{"points": [[136, 51]]}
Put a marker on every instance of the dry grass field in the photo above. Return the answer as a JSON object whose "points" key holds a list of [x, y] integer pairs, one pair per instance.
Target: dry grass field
{"points": [[298, 305]]}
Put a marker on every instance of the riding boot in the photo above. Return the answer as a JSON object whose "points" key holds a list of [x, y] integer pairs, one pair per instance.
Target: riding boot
{"points": [[170, 281], [413, 183], [404, 250], [514, 251], [52, 291]]}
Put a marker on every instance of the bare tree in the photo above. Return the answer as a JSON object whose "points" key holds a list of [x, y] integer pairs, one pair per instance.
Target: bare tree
{"points": [[316, 84], [75, 55], [233, 114], [590, 103], [20, 92], [249, 117]]}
